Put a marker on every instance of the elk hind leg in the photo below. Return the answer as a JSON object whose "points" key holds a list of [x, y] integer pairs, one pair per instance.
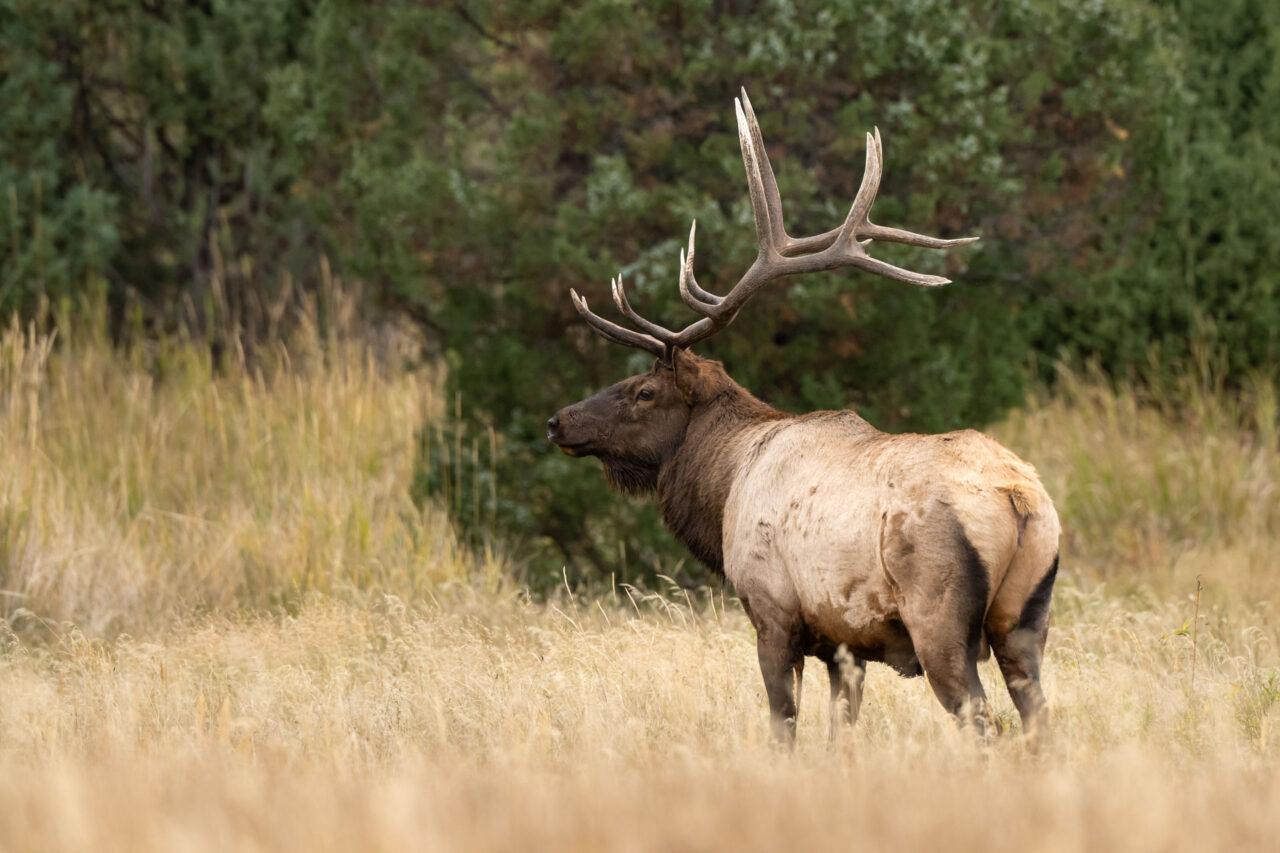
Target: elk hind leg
{"points": [[942, 585], [1019, 647], [950, 661]]}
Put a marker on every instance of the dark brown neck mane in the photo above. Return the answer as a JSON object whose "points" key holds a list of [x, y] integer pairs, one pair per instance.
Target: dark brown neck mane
{"points": [[694, 484]]}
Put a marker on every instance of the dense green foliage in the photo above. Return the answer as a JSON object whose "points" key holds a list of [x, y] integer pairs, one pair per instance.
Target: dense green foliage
{"points": [[470, 162]]}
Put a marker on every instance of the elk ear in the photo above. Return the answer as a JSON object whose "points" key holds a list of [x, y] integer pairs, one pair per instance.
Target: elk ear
{"points": [[695, 377]]}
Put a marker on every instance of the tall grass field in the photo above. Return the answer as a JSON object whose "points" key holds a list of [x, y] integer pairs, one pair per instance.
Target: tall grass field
{"points": [[225, 625]]}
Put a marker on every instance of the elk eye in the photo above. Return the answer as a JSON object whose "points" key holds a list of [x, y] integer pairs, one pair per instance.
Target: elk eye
{"points": [[646, 393]]}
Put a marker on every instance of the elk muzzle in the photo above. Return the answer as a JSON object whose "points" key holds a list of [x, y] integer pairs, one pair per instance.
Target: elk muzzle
{"points": [[561, 433]]}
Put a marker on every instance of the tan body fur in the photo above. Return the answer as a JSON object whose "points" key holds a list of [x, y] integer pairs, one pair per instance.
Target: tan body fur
{"points": [[843, 542], [823, 505]]}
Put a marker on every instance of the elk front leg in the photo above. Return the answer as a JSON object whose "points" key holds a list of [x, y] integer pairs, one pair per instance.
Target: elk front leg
{"points": [[782, 665], [847, 674]]}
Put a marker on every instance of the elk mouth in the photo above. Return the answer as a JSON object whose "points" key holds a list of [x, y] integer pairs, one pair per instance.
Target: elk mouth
{"points": [[569, 448]]}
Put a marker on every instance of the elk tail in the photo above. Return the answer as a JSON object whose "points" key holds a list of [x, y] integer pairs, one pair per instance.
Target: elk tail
{"points": [[1023, 500]]}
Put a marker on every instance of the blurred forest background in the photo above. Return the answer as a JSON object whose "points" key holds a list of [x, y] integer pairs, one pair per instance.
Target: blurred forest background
{"points": [[197, 166]]}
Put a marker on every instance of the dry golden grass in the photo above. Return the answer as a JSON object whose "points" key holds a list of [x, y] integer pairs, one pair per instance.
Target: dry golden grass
{"points": [[226, 626], [481, 723], [1158, 486], [137, 488]]}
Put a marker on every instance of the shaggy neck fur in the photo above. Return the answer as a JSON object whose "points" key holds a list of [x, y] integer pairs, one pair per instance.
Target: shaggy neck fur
{"points": [[693, 485], [635, 477]]}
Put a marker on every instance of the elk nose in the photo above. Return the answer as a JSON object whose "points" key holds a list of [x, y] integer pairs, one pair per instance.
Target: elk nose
{"points": [[553, 424]]}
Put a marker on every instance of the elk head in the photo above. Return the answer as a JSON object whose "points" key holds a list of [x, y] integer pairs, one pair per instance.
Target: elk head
{"points": [[637, 424]]}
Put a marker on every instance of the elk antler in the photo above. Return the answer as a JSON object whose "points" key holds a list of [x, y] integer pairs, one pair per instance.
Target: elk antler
{"points": [[778, 255]]}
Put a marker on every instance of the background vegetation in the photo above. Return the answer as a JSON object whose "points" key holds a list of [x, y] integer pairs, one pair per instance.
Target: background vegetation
{"points": [[470, 162]]}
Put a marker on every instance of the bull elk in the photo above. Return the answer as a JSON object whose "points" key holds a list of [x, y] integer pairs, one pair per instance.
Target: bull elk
{"points": [[844, 543]]}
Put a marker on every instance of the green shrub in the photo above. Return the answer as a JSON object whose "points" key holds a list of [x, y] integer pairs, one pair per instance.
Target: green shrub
{"points": [[471, 162]]}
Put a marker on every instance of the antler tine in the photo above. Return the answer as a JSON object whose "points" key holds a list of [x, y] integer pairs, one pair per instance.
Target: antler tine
{"points": [[769, 184], [616, 333], [755, 183], [887, 270], [620, 299], [866, 192], [896, 235], [686, 277], [695, 297]]}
